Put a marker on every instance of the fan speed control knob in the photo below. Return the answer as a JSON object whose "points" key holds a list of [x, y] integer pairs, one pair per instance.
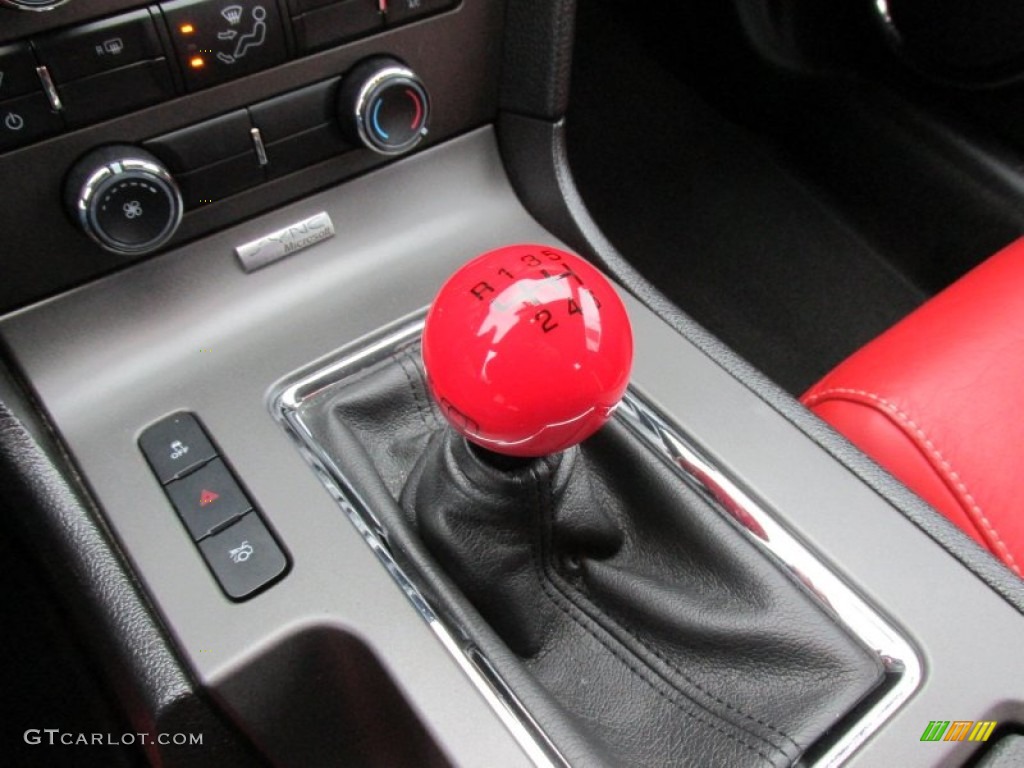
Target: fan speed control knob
{"points": [[384, 106], [124, 198]]}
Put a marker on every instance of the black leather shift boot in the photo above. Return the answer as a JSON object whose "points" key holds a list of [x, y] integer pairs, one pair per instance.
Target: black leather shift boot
{"points": [[669, 637]]}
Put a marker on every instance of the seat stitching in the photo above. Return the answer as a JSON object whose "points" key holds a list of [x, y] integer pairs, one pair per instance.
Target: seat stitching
{"points": [[973, 508]]}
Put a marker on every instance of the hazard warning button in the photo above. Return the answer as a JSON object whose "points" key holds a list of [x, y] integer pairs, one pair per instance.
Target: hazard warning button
{"points": [[208, 499]]}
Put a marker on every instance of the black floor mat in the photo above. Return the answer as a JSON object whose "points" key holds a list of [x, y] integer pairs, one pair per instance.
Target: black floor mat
{"points": [[716, 221]]}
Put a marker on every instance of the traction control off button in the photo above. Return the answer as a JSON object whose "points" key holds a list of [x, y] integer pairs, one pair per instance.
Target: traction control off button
{"points": [[175, 446]]}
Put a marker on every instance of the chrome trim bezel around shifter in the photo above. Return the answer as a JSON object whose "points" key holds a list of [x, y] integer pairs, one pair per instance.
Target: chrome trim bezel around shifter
{"points": [[903, 668]]}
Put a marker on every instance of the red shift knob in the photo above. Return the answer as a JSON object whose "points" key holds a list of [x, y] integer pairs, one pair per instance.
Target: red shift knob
{"points": [[527, 350]]}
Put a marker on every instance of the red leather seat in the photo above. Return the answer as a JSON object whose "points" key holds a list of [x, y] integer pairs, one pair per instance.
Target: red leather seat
{"points": [[938, 400]]}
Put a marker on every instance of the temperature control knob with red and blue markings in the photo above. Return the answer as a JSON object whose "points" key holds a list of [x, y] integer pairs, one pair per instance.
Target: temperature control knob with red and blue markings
{"points": [[527, 350], [384, 106]]}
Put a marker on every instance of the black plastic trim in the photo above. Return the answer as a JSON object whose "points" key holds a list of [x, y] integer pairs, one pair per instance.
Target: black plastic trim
{"points": [[119, 628]]}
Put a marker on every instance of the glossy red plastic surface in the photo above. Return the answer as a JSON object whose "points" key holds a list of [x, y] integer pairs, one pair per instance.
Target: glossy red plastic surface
{"points": [[527, 349]]}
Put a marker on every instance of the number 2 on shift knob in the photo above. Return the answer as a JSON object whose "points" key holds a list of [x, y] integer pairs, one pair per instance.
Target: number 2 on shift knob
{"points": [[528, 350]]}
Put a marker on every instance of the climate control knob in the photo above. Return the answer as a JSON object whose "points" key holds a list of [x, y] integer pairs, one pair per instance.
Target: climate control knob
{"points": [[32, 5], [124, 199], [527, 350], [384, 106]]}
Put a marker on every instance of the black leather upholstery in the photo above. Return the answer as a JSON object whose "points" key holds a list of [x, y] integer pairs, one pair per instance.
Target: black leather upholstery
{"points": [[667, 636]]}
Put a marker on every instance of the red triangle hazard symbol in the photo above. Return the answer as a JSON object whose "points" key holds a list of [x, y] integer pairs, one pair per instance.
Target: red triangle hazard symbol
{"points": [[207, 497]]}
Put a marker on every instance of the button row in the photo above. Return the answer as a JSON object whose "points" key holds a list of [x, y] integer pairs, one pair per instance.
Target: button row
{"points": [[105, 68], [81, 75], [233, 152], [235, 543]]}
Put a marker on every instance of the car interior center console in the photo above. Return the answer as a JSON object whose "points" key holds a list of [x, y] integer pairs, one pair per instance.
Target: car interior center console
{"points": [[188, 279], [223, 141]]}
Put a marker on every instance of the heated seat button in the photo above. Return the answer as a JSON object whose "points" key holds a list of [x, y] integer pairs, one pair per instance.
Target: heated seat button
{"points": [[208, 499], [99, 47], [26, 119], [19, 71], [244, 557], [219, 40], [175, 446]]}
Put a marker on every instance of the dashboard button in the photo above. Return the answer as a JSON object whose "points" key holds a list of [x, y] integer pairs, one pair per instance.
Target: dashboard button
{"points": [[27, 119], [400, 11], [175, 445], [17, 71], [296, 111], [112, 93], [301, 6], [337, 23], [99, 47], [219, 40], [215, 182], [205, 143], [207, 499], [305, 149], [244, 557]]}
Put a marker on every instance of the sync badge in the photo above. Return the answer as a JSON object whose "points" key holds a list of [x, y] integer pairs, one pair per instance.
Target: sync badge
{"points": [[284, 242]]}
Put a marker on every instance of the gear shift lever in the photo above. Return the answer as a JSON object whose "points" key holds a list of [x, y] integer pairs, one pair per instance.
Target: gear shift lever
{"points": [[593, 569], [527, 350]]}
